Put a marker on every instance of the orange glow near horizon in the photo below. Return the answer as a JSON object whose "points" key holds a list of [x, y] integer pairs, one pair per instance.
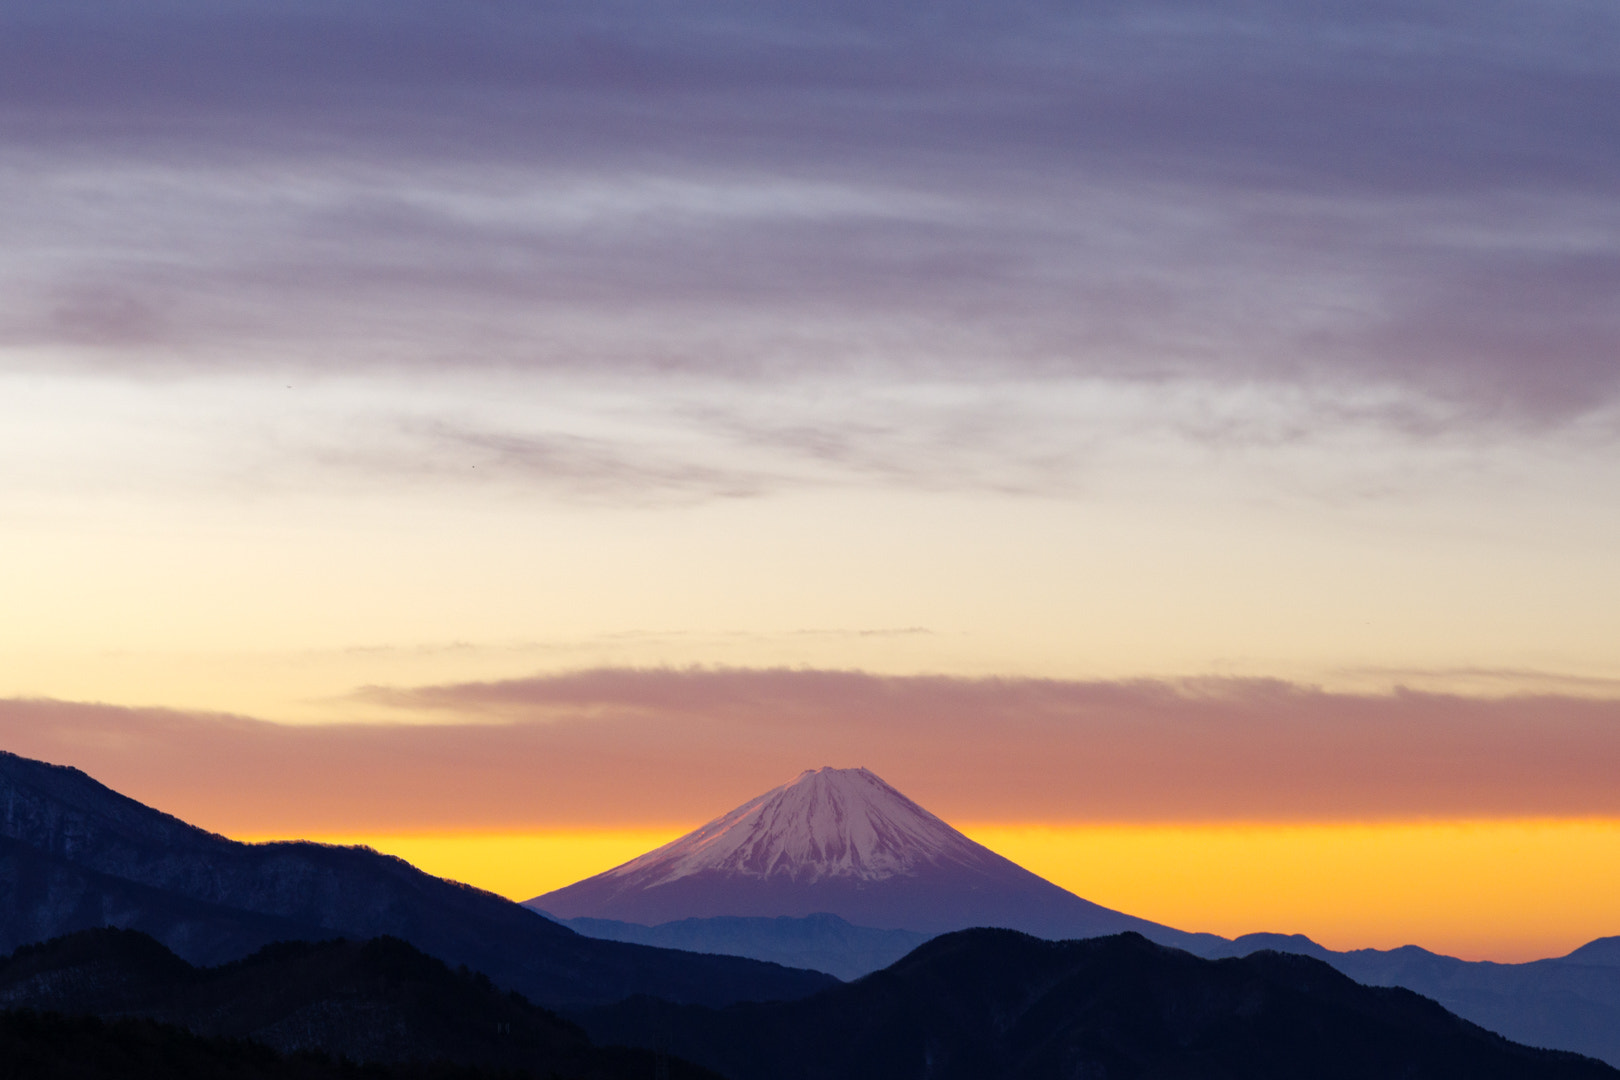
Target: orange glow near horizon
{"points": [[1498, 890], [1508, 891]]}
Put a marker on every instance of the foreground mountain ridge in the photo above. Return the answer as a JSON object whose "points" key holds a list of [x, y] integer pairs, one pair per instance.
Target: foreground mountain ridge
{"points": [[378, 1003], [1571, 1002], [841, 842], [820, 942], [75, 854], [1567, 1002], [973, 1005], [1000, 1005]]}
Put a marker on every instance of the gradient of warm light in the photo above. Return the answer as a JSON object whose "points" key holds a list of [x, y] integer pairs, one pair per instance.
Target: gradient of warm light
{"points": [[1508, 891], [1482, 890], [389, 592]]}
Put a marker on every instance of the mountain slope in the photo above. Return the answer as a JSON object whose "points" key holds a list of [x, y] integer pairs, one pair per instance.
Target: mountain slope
{"points": [[818, 942], [98, 852], [997, 1005], [1571, 1002], [1604, 950], [42, 896], [380, 1001], [844, 842], [50, 1046]]}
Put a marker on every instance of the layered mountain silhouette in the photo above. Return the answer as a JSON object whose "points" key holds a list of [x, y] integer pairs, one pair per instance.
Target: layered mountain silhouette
{"points": [[842, 842], [881, 875], [979, 1004], [1570, 1002], [75, 855], [375, 1002], [999, 1005], [821, 942]]}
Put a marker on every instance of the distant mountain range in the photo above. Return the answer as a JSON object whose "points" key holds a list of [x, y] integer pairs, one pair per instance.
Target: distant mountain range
{"points": [[973, 1005], [1570, 1002], [883, 875], [76, 855], [841, 841], [999, 1005], [820, 942]]}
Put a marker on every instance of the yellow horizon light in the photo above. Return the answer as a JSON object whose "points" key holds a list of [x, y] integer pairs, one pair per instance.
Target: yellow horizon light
{"points": [[1508, 891], [1503, 890]]}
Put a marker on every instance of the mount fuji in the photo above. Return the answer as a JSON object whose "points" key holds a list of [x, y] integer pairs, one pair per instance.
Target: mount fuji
{"points": [[840, 842]]}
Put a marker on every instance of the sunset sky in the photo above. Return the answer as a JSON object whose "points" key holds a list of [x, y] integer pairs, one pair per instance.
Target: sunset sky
{"points": [[1177, 443]]}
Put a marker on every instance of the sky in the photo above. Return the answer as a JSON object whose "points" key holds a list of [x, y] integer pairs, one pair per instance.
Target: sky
{"points": [[1179, 443]]}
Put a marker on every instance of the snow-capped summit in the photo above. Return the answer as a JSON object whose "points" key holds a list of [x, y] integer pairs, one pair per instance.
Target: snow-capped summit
{"points": [[825, 823], [844, 842]]}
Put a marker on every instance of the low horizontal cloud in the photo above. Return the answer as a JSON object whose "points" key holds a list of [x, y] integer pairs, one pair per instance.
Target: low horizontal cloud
{"points": [[618, 747]]}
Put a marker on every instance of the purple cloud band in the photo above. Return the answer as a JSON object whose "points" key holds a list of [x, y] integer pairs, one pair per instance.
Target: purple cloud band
{"points": [[1418, 195], [621, 747]]}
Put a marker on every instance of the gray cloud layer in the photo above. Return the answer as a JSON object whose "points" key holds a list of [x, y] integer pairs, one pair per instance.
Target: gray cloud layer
{"points": [[1421, 196]]}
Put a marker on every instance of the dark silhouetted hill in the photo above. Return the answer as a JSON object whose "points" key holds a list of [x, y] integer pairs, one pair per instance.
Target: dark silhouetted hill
{"points": [[1000, 1005], [43, 896], [77, 854], [380, 1002], [1605, 951], [818, 942], [1570, 1002], [56, 1047]]}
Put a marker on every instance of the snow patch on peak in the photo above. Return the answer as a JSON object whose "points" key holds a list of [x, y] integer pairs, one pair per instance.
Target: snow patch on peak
{"points": [[825, 823]]}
